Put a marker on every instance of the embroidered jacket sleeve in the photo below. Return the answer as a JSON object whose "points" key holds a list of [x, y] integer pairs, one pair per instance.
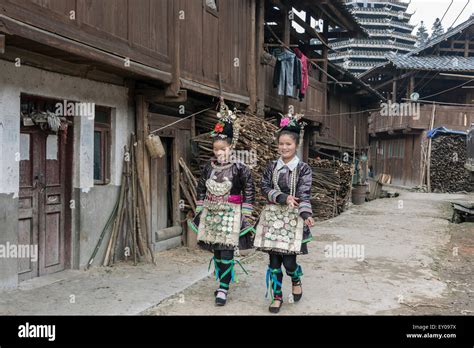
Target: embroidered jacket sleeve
{"points": [[248, 190], [201, 187], [303, 191]]}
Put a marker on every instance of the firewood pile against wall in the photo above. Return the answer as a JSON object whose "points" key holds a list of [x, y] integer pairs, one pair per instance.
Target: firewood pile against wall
{"points": [[331, 179], [331, 187], [448, 156]]}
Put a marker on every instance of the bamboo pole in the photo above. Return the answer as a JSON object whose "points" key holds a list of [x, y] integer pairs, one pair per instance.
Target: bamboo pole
{"points": [[111, 244], [428, 170]]}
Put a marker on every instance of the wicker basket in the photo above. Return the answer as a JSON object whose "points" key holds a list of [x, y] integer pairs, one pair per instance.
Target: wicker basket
{"points": [[154, 146]]}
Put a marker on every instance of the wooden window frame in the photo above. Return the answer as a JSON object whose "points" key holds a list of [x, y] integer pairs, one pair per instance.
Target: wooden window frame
{"points": [[105, 146]]}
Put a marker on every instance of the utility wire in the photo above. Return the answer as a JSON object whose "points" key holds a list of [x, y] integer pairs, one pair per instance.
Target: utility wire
{"points": [[344, 113], [181, 119], [448, 90], [459, 15], [431, 102], [447, 10]]}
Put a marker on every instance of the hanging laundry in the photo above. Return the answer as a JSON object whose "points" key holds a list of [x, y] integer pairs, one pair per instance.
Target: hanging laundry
{"points": [[304, 73], [287, 73], [297, 75]]}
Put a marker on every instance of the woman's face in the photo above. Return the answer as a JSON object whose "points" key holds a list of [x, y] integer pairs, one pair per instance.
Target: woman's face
{"points": [[221, 150], [287, 146]]}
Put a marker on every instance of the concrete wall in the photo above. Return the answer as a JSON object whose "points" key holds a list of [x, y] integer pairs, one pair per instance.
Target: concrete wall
{"points": [[8, 234], [94, 203]]}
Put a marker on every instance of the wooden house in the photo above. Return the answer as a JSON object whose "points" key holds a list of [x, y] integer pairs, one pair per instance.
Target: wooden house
{"points": [[427, 88], [140, 65]]}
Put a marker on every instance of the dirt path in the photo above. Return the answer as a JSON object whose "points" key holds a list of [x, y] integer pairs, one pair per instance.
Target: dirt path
{"points": [[408, 266]]}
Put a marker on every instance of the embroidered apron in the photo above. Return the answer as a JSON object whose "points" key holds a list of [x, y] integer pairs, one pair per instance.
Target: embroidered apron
{"points": [[280, 228], [220, 221]]}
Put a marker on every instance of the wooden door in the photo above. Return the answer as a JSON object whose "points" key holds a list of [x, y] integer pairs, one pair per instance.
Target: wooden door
{"points": [[161, 188], [42, 201]]}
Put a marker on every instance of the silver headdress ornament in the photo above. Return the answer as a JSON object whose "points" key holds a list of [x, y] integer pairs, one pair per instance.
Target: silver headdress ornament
{"points": [[292, 122], [227, 118]]}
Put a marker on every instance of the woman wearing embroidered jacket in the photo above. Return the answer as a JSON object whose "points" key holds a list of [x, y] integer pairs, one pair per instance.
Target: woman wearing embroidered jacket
{"points": [[283, 228], [225, 197]]}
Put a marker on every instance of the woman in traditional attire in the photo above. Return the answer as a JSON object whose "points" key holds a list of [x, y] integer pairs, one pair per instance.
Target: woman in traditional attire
{"points": [[284, 225], [225, 198]]}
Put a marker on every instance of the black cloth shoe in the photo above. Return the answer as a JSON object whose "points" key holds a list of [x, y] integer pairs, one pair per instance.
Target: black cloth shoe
{"points": [[297, 297], [275, 310]]}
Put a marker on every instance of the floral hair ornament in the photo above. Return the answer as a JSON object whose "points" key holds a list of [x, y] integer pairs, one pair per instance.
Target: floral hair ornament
{"points": [[228, 124], [292, 122]]}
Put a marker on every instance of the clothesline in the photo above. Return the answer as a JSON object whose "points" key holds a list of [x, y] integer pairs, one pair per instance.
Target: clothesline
{"points": [[314, 64], [344, 113], [180, 120]]}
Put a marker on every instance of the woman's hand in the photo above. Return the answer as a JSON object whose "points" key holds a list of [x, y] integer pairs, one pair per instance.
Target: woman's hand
{"points": [[309, 222], [292, 201]]}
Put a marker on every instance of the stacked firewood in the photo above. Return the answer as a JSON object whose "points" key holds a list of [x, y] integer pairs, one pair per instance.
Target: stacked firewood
{"points": [[331, 179], [257, 137], [331, 188], [448, 156], [188, 184]]}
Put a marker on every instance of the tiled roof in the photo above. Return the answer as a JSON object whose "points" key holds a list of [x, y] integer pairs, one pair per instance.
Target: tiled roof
{"points": [[431, 43], [445, 36], [433, 63]]}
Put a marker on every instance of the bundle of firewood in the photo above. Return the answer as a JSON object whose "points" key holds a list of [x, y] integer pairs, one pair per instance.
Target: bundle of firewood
{"points": [[188, 184], [257, 139], [331, 179], [448, 156], [128, 237], [330, 191]]}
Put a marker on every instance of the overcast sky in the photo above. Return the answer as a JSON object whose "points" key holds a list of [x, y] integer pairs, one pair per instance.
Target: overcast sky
{"points": [[429, 10]]}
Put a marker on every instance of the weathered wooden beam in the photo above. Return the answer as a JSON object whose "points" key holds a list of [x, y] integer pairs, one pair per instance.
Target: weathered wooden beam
{"points": [[82, 50], [2, 44], [286, 26], [252, 60], [214, 91], [457, 75], [60, 66], [260, 66], [159, 96], [173, 90], [389, 81], [324, 77], [143, 167], [339, 15], [411, 87], [311, 31], [383, 84], [320, 9], [460, 42], [463, 50], [340, 35]]}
